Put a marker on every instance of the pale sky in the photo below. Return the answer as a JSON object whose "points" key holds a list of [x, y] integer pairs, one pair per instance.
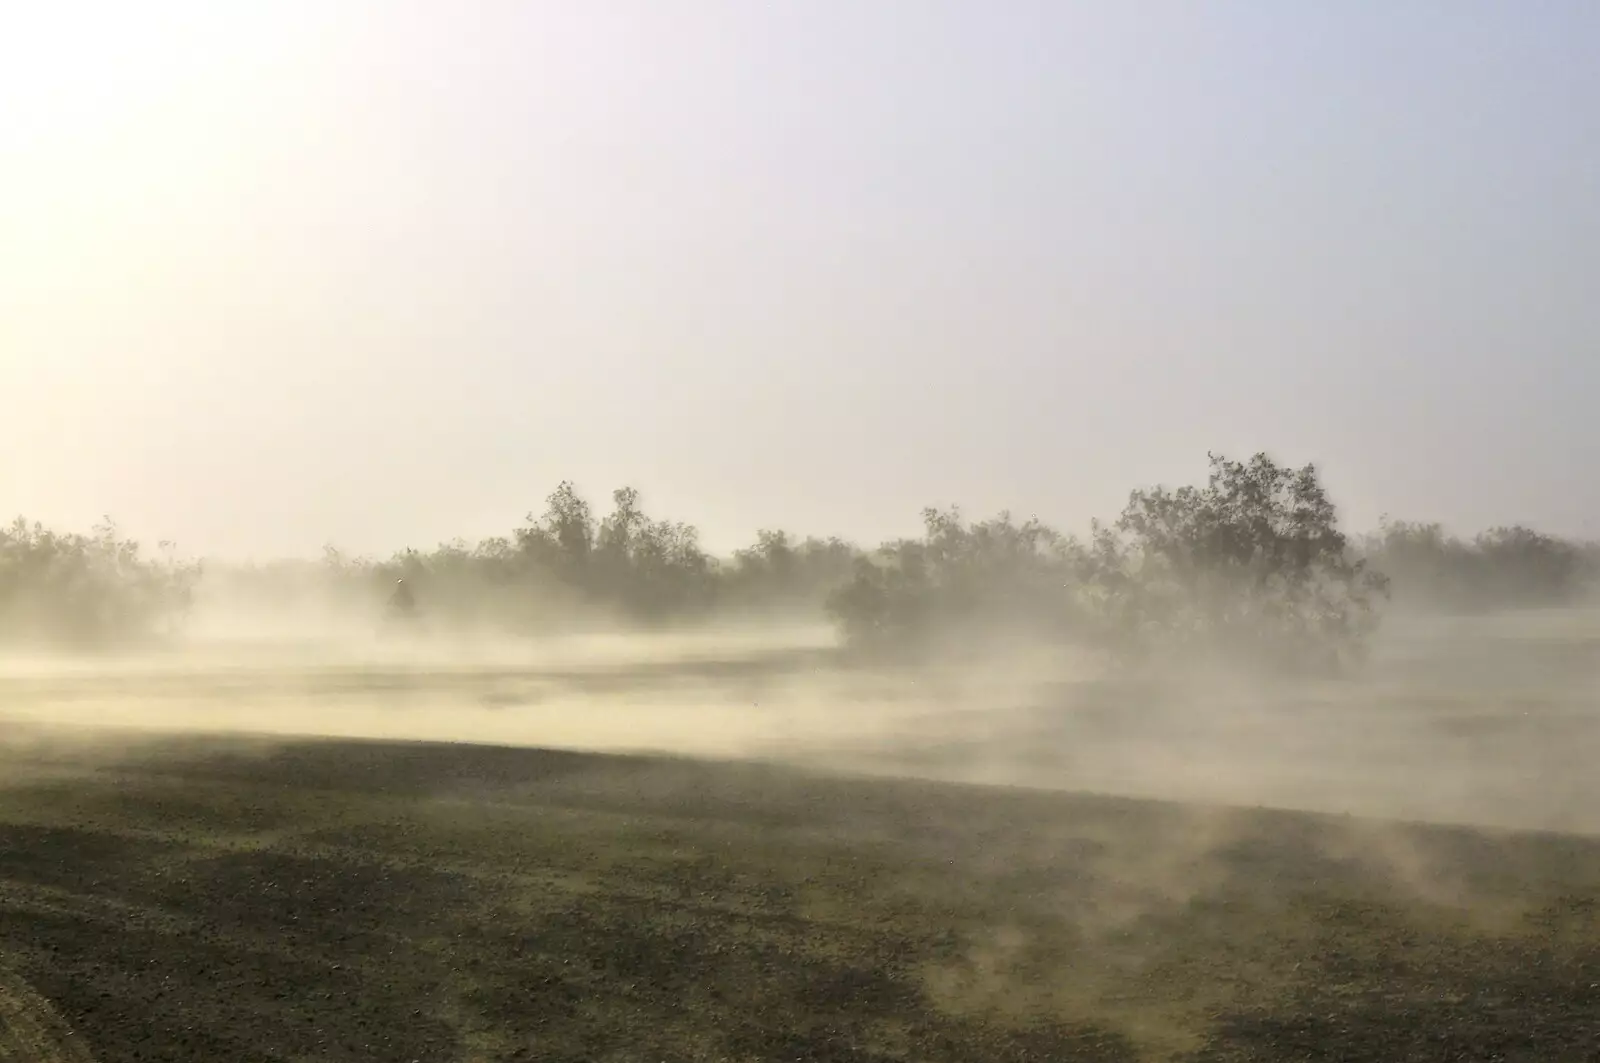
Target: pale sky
{"points": [[275, 274]]}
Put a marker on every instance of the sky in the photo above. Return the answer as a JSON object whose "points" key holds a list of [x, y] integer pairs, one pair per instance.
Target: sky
{"points": [[376, 274]]}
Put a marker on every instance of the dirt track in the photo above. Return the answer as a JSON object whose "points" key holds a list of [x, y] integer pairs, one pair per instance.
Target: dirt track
{"points": [[362, 901]]}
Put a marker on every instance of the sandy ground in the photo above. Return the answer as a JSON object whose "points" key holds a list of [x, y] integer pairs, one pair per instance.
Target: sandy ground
{"points": [[1478, 721], [166, 894]]}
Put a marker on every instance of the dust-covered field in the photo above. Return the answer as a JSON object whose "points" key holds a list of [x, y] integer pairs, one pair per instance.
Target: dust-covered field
{"points": [[713, 849]]}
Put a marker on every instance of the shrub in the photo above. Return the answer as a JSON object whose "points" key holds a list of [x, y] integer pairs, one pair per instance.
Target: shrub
{"points": [[1252, 564], [87, 590]]}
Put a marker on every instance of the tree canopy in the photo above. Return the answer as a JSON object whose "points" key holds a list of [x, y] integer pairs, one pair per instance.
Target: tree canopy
{"points": [[1252, 562]]}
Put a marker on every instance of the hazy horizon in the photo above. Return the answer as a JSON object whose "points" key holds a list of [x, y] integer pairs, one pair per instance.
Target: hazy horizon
{"points": [[382, 274]]}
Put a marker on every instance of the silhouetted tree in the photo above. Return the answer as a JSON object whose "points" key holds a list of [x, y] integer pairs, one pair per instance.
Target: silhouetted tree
{"points": [[994, 573], [1513, 567], [562, 539], [779, 574], [97, 589], [1253, 562]]}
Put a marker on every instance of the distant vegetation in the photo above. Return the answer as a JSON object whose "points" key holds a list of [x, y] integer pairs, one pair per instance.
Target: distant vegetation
{"points": [[94, 589], [1250, 564], [1513, 567]]}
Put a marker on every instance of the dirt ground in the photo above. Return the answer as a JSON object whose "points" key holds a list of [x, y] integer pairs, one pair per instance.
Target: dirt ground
{"points": [[251, 899]]}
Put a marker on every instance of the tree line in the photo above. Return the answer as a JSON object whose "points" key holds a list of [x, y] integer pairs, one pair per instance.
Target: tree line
{"points": [[1252, 562]]}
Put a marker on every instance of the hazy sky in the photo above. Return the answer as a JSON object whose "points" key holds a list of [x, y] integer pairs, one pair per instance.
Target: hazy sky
{"points": [[280, 273]]}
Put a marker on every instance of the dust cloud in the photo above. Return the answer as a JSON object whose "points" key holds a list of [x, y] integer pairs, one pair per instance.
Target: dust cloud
{"points": [[1490, 721]]}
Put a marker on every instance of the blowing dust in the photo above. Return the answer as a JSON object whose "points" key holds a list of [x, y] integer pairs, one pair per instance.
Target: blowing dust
{"points": [[1487, 722]]}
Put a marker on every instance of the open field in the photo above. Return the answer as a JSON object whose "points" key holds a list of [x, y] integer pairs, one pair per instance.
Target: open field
{"points": [[1486, 721], [365, 901], [171, 896]]}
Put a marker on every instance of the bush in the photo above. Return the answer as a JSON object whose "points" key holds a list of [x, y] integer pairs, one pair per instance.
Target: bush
{"points": [[87, 590], [553, 571], [780, 575], [995, 573], [1252, 564], [1502, 568]]}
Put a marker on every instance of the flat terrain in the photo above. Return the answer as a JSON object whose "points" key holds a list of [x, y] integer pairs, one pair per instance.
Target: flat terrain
{"points": [[237, 899]]}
